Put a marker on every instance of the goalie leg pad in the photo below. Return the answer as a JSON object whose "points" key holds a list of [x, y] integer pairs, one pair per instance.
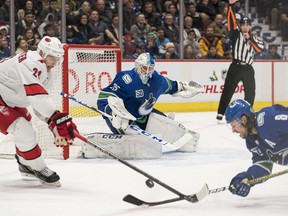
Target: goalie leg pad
{"points": [[172, 131], [124, 146]]}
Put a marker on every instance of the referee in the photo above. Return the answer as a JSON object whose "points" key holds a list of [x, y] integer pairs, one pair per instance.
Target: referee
{"points": [[244, 46]]}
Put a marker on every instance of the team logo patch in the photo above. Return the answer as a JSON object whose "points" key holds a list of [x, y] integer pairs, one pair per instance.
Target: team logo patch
{"points": [[260, 119], [127, 79], [139, 93]]}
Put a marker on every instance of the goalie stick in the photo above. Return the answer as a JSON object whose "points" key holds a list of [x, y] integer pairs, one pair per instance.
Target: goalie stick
{"points": [[251, 182], [131, 199], [166, 146], [201, 194]]}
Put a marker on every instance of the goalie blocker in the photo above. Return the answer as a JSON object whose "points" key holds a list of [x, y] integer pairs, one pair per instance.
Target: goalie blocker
{"points": [[134, 146]]}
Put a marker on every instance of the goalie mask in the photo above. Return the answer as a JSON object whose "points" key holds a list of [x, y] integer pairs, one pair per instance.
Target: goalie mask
{"points": [[144, 66]]}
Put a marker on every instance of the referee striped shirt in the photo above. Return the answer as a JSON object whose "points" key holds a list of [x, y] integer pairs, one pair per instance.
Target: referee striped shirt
{"points": [[243, 49]]}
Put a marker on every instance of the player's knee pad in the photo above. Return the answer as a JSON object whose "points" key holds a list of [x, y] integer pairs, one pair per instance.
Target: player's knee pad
{"points": [[172, 131], [24, 135], [124, 146]]}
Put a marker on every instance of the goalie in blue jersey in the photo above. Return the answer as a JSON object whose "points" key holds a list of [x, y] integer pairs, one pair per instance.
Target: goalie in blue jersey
{"points": [[266, 135], [130, 98]]}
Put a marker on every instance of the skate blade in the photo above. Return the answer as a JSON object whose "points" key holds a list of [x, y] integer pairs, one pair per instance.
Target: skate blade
{"points": [[28, 175], [51, 184]]}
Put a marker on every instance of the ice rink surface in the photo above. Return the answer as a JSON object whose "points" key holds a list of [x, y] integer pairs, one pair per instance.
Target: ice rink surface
{"points": [[95, 187]]}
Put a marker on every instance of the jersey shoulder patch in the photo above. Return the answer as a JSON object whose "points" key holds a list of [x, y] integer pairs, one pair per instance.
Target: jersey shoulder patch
{"points": [[260, 119], [127, 78]]}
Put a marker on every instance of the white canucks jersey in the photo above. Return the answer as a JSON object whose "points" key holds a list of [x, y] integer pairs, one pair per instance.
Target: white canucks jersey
{"points": [[24, 81]]}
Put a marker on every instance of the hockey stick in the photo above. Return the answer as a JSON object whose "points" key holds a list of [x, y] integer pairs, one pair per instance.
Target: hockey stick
{"points": [[251, 182], [131, 199], [166, 146]]}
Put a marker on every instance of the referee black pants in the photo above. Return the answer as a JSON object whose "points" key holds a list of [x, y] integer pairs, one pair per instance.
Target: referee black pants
{"points": [[235, 74]]}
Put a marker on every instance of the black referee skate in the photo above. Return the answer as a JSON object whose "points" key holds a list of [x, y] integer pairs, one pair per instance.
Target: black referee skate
{"points": [[46, 176]]}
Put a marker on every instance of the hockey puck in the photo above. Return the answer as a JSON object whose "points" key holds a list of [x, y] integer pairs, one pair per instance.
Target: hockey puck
{"points": [[149, 183]]}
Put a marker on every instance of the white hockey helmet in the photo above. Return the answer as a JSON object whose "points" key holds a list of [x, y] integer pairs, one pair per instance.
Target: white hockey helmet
{"points": [[144, 66], [50, 46]]}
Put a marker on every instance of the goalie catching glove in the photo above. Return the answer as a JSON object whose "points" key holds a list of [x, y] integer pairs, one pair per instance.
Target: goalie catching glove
{"points": [[120, 116], [187, 90], [63, 128]]}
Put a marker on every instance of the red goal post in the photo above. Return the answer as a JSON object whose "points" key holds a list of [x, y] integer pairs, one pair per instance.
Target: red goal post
{"points": [[86, 70]]}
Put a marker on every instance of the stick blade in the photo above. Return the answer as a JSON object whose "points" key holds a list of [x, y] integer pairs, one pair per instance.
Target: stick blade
{"points": [[133, 200], [202, 193]]}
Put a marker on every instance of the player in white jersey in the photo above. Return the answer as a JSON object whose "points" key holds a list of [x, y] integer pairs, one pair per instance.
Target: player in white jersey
{"points": [[24, 80]]}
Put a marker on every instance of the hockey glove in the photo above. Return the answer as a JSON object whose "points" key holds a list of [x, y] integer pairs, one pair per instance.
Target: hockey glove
{"points": [[187, 90], [62, 127], [239, 184]]}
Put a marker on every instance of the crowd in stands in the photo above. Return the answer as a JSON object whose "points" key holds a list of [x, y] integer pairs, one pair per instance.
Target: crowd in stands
{"points": [[148, 25]]}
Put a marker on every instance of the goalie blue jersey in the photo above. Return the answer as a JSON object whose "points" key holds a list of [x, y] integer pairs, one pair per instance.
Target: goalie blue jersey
{"points": [[138, 98], [271, 143]]}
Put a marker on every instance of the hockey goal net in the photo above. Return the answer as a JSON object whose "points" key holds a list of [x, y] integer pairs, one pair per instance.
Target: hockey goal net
{"points": [[85, 71]]}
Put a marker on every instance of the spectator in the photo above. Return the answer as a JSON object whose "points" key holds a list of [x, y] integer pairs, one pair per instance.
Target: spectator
{"points": [[4, 31], [49, 19], [218, 28], [84, 9], [74, 36], [21, 45], [172, 9], [28, 21], [4, 49], [206, 10], [129, 16], [189, 52], [188, 26], [99, 29], [171, 52], [212, 53], [192, 41], [151, 45], [171, 31], [70, 18], [83, 26], [207, 40], [49, 30], [272, 53], [114, 28], [31, 38], [129, 46], [284, 23], [140, 29], [161, 41], [152, 18], [197, 20], [21, 12], [105, 15], [4, 13], [140, 48], [53, 8]]}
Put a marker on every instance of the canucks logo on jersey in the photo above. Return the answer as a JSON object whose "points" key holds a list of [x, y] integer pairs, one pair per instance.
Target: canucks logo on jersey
{"points": [[147, 106]]}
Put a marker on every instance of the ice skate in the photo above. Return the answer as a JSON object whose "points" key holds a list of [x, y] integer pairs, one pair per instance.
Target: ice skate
{"points": [[24, 170], [48, 177]]}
